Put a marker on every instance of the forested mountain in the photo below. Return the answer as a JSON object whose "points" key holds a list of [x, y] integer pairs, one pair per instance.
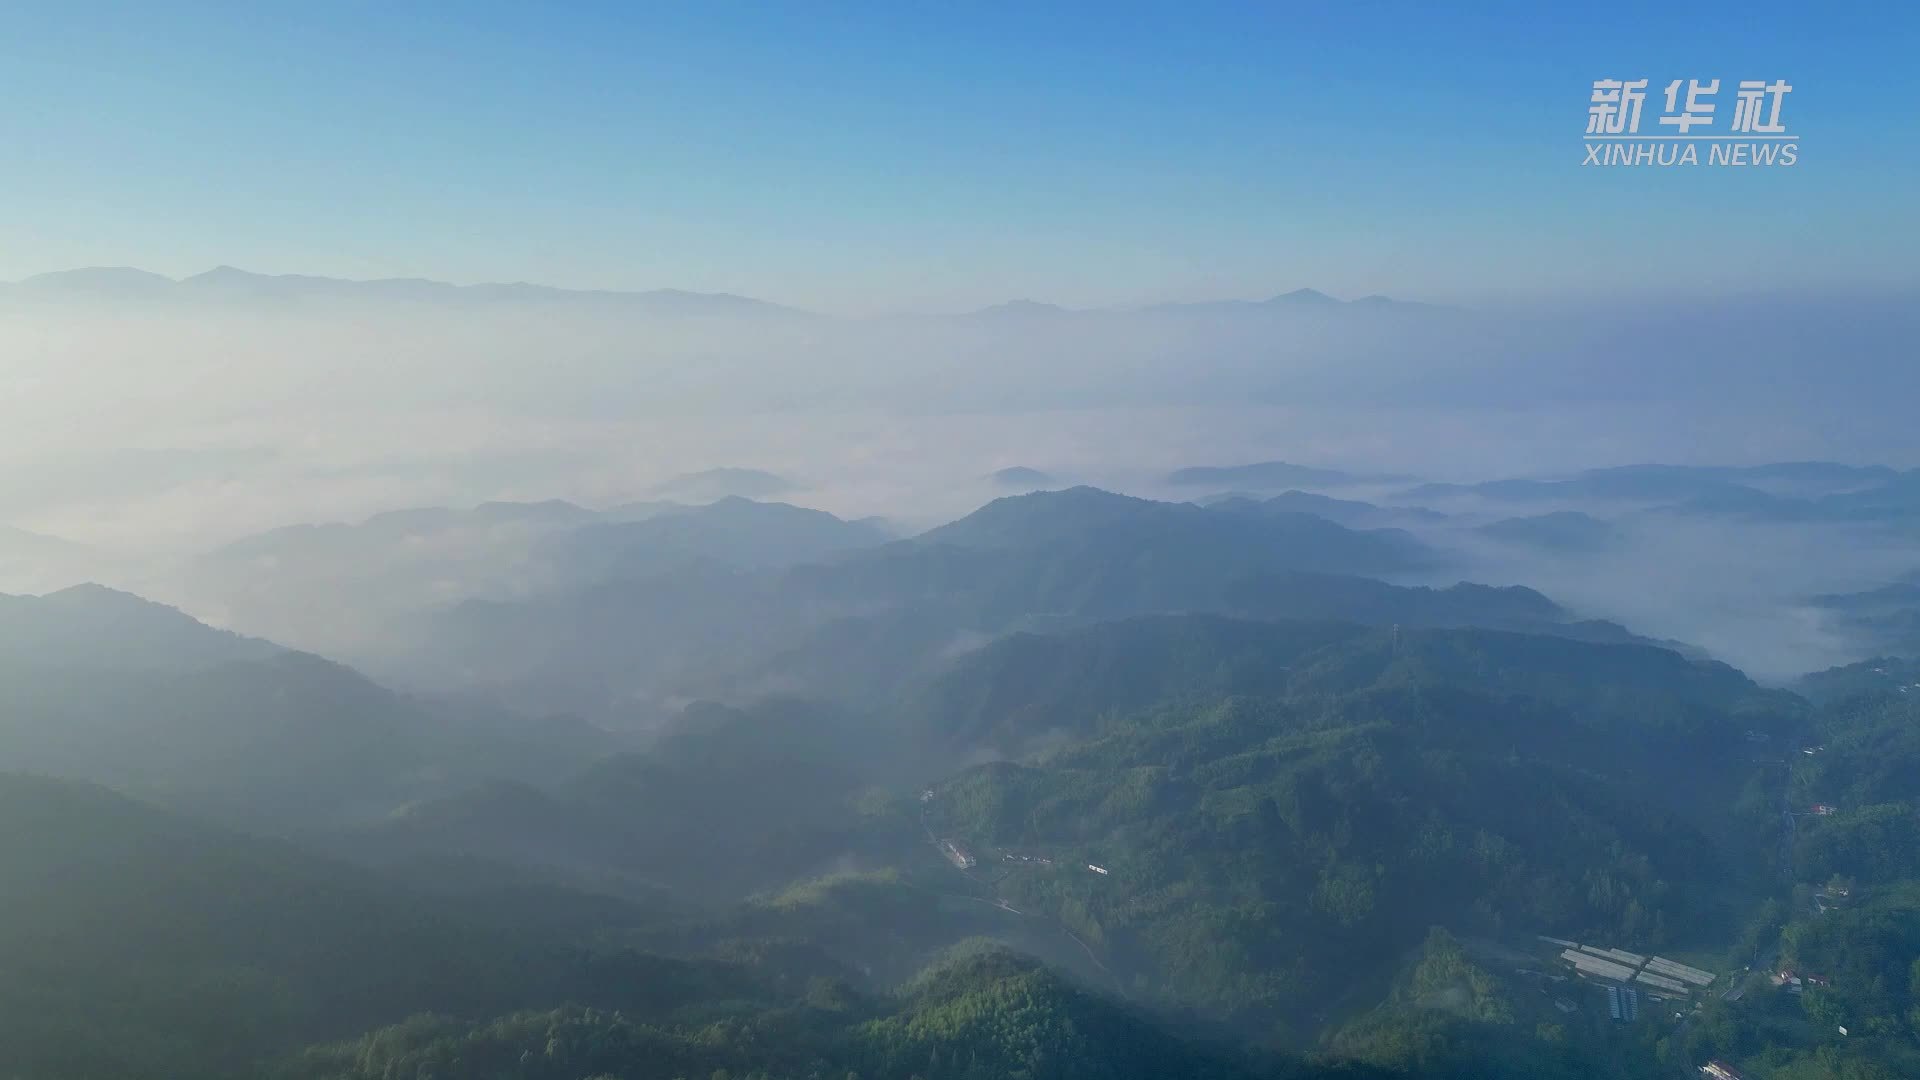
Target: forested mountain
{"points": [[374, 592], [1019, 795], [870, 658], [1265, 474], [1351, 785], [859, 624], [780, 791], [1352, 513], [1676, 483], [1448, 1015], [982, 1014], [1822, 493], [1028, 689], [284, 742], [141, 945], [1028, 684], [1835, 989], [1562, 530], [1866, 765], [1022, 560], [1085, 519], [101, 685], [90, 626], [1657, 486], [733, 532], [1891, 501], [1868, 678], [1369, 774], [336, 588], [1377, 603]]}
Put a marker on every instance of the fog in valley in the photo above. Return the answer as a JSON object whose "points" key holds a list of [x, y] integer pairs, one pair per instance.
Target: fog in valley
{"points": [[153, 432], [1304, 672], [814, 541]]}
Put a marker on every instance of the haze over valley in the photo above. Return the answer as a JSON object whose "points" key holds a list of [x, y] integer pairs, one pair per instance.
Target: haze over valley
{"points": [[914, 542], [1184, 740]]}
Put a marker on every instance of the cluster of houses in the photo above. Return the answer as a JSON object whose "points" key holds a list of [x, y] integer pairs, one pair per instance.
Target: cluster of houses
{"points": [[1796, 982]]}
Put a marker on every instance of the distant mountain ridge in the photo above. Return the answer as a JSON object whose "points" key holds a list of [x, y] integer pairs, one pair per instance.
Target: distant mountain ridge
{"points": [[1712, 487], [1351, 513], [1561, 530], [33, 562], [1297, 299], [708, 485], [1088, 519], [734, 531], [232, 283], [1263, 474]]}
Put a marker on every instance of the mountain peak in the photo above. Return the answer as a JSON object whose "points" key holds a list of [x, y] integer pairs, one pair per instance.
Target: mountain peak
{"points": [[1020, 476], [1303, 296], [1262, 474], [94, 593], [709, 485], [1021, 308], [96, 626], [113, 279]]}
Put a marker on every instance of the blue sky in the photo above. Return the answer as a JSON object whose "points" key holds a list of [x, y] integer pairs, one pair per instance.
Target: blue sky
{"points": [[898, 156]]}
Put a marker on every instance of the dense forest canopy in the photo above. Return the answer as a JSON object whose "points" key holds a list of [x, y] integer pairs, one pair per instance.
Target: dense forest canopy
{"points": [[1078, 785]]}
